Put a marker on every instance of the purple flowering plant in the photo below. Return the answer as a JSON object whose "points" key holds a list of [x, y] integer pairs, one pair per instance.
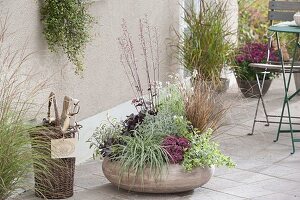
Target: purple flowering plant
{"points": [[175, 146], [253, 52]]}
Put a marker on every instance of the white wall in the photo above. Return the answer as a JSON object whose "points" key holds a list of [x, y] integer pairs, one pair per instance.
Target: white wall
{"points": [[104, 84]]}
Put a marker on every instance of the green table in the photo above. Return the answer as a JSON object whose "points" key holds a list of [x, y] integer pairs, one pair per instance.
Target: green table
{"points": [[287, 97]]}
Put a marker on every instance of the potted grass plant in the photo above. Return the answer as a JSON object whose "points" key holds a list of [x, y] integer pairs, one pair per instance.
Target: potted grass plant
{"points": [[157, 149], [205, 44], [253, 52]]}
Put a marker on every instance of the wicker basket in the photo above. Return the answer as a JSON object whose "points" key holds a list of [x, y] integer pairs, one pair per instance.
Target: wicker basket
{"points": [[55, 178]]}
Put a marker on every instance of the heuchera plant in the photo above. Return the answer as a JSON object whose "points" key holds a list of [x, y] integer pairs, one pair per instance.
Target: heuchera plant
{"points": [[175, 146], [253, 52]]}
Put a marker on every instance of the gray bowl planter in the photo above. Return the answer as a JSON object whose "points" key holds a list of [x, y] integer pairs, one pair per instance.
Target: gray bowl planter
{"points": [[251, 89], [173, 180]]}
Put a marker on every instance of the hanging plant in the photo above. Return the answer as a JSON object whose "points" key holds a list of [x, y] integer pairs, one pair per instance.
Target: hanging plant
{"points": [[66, 27]]}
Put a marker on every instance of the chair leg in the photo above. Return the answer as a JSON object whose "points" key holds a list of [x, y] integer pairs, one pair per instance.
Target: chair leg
{"points": [[255, 116], [285, 87], [291, 128], [288, 98], [280, 122], [260, 98], [286, 91]]}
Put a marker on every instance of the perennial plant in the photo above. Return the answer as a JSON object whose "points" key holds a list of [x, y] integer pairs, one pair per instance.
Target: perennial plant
{"points": [[205, 43], [254, 52]]}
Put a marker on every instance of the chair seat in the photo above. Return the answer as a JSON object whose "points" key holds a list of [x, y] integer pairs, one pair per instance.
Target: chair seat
{"points": [[273, 67]]}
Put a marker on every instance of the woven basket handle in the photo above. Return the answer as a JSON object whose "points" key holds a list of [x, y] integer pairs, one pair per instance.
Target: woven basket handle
{"points": [[52, 99]]}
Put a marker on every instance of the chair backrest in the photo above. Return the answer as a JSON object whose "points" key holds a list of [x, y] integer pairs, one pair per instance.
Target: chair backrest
{"points": [[282, 10]]}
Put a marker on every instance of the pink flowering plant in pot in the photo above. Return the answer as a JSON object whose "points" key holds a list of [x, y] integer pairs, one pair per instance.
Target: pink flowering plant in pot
{"points": [[155, 147], [253, 52]]}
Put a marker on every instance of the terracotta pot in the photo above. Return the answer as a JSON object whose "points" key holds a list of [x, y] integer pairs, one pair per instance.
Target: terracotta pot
{"points": [[174, 180], [251, 89]]}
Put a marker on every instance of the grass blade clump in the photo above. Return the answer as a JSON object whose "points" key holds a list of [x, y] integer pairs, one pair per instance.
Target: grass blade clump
{"points": [[205, 44], [142, 152], [17, 92], [204, 107]]}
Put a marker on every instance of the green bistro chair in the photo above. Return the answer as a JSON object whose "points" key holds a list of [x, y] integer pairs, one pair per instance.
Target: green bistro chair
{"points": [[280, 15]]}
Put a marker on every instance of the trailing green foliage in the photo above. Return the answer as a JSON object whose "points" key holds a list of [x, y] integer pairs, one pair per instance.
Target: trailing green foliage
{"points": [[204, 152], [205, 44], [66, 27]]}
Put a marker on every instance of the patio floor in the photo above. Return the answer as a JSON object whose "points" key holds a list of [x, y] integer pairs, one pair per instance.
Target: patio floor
{"points": [[265, 170]]}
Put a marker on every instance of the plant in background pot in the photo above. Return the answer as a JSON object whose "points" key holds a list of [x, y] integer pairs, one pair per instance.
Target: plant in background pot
{"points": [[205, 43], [254, 52], [253, 25], [156, 149]]}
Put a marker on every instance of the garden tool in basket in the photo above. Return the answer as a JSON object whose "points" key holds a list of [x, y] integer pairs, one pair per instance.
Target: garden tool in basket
{"points": [[70, 109]]}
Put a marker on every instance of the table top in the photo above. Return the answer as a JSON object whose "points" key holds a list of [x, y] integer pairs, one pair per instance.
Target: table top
{"points": [[285, 29]]}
